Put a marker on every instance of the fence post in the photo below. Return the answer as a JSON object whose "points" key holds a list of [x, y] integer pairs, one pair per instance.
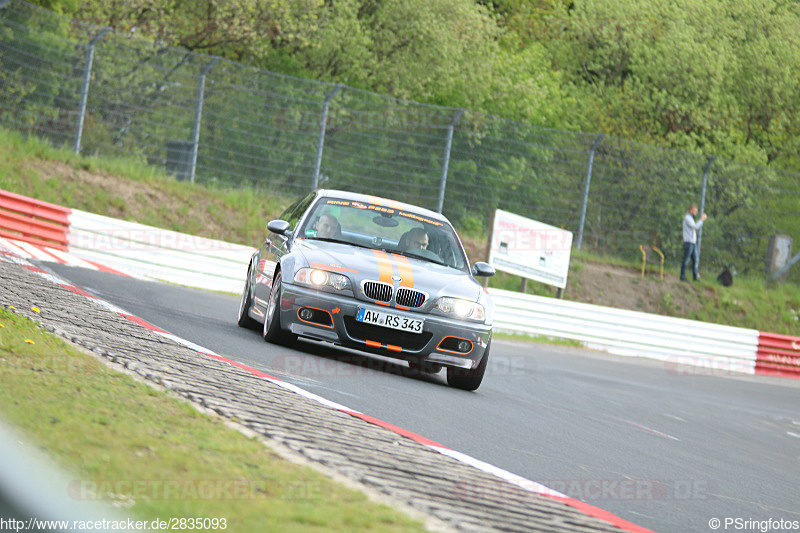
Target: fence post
{"points": [[586, 184], [87, 72], [323, 122], [201, 86], [703, 201], [446, 165]]}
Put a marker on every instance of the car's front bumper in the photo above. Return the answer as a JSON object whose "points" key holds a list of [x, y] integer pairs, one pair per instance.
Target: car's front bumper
{"points": [[334, 321]]}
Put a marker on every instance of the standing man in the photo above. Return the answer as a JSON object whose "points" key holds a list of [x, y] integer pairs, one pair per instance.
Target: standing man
{"points": [[690, 228]]}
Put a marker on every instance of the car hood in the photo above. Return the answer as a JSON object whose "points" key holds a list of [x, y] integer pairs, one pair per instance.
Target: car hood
{"points": [[361, 264]]}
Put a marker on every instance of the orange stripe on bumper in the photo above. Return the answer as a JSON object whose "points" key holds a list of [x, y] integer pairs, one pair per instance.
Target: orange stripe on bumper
{"points": [[373, 344], [394, 348]]}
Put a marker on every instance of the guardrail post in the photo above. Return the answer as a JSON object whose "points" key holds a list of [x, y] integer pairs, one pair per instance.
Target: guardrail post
{"points": [[586, 184], [446, 165], [323, 123], [703, 202], [201, 85], [87, 72]]}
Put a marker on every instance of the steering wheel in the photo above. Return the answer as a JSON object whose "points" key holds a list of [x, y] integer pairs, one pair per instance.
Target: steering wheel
{"points": [[422, 252]]}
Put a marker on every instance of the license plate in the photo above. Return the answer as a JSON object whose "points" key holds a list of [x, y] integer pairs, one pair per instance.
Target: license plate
{"points": [[390, 320]]}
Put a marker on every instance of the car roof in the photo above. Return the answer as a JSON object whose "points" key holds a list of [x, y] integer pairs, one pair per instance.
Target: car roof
{"points": [[371, 199]]}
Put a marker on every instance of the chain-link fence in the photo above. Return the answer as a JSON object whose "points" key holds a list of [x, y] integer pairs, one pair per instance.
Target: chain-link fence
{"points": [[210, 120]]}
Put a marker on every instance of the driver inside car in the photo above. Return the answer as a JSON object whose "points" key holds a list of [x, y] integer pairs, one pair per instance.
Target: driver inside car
{"points": [[416, 238], [328, 227]]}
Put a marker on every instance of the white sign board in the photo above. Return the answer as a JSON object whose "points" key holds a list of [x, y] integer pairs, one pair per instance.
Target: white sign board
{"points": [[530, 249]]}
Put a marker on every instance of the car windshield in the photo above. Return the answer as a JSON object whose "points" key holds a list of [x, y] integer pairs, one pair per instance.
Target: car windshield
{"points": [[385, 228]]}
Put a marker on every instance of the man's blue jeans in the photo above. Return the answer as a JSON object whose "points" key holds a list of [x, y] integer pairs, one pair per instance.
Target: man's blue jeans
{"points": [[690, 252]]}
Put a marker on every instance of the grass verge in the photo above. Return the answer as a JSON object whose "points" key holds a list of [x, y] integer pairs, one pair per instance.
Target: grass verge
{"points": [[158, 457], [539, 339]]}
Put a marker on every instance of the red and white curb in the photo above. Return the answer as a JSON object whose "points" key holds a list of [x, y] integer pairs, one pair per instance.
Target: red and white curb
{"points": [[505, 475], [28, 250]]}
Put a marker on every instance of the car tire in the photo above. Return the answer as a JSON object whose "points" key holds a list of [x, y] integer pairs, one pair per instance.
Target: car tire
{"points": [[244, 319], [273, 332], [461, 378]]}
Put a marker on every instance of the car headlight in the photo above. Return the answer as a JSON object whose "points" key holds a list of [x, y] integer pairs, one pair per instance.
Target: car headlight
{"points": [[461, 309], [322, 279]]}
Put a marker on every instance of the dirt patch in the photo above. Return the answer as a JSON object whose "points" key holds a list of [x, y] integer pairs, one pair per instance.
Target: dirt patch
{"points": [[618, 286], [86, 185], [625, 288]]}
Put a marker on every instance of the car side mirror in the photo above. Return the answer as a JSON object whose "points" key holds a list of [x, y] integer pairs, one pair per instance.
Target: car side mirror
{"points": [[483, 269], [281, 227]]}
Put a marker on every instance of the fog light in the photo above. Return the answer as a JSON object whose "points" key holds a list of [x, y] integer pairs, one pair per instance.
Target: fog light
{"points": [[306, 313], [464, 346]]}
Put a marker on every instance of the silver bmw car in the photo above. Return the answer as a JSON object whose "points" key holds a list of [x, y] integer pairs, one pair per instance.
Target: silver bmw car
{"points": [[373, 274]]}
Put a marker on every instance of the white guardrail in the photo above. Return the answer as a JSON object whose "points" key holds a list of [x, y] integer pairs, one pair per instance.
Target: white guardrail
{"points": [[153, 253], [629, 333]]}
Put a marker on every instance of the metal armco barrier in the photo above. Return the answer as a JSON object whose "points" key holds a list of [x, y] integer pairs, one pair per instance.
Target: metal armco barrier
{"points": [[33, 221], [678, 342], [778, 355], [153, 253]]}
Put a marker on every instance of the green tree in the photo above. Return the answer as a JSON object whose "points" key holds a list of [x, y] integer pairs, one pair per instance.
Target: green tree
{"points": [[711, 77], [235, 29]]}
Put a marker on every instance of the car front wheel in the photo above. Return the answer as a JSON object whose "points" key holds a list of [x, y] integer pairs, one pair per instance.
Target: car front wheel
{"points": [[464, 379], [272, 320]]}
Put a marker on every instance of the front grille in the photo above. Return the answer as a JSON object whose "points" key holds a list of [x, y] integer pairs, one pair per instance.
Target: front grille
{"points": [[371, 332], [409, 297], [378, 291]]}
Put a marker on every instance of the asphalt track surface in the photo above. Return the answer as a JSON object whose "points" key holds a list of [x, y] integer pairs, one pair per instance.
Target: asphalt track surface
{"points": [[664, 446]]}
